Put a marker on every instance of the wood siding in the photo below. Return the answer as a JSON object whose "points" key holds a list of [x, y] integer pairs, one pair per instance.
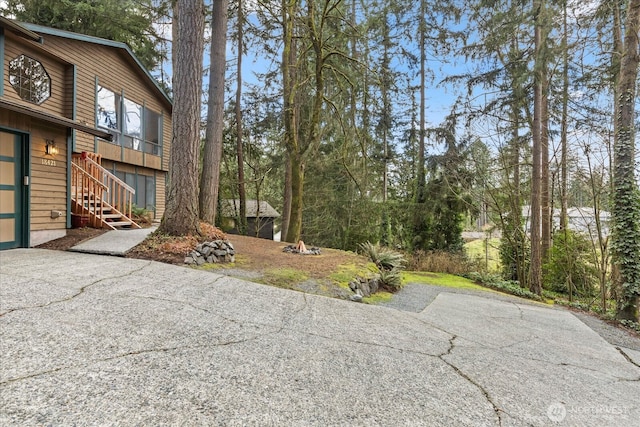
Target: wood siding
{"points": [[48, 174], [60, 74], [111, 67], [116, 71]]}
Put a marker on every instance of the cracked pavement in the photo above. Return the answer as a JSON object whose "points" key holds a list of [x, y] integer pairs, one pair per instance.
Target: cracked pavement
{"points": [[94, 340]]}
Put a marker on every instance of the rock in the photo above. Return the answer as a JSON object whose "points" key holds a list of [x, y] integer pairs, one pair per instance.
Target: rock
{"points": [[211, 252], [374, 285], [356, 298], [353, 285]]}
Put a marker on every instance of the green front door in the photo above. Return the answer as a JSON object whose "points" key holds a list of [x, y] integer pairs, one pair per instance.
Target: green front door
{"points": [[12, 221]]}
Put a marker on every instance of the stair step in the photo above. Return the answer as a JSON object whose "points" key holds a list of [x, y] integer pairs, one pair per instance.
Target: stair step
{"points": [[111, 216], [120, 223]]}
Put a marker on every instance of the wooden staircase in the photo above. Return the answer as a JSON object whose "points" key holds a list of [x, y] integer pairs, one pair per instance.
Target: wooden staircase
{"points": [[99, 195]]}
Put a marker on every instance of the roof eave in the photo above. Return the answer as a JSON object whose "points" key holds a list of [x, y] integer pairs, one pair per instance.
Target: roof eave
{"points": [[97, 40]]}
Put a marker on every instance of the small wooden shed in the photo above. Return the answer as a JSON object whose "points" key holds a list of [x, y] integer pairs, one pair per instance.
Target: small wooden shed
{"points": [[261, 218]]}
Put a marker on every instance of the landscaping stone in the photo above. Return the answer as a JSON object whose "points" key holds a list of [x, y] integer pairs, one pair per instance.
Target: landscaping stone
{"points": [[292, 249], [364, 286], [217, 251]]}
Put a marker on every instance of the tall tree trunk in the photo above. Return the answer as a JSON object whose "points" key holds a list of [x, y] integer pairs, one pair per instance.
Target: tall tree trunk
{"points": [[181, 214], [535, 274], [286, 205], [297, 182], [626, 203], [564, 123], [242, 196], [297, 151], [386, 102], [291, 142], [419, 215], [545, 195], [421, 193], [212, 155]]}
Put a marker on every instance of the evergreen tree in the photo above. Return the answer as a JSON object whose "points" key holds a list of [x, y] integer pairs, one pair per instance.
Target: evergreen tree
{"points": [[127, 21]]}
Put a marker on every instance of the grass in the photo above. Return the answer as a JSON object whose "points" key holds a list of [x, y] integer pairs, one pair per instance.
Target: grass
{"points": [[239, 261], [378, 297], [476, 250], [348, 272], [284, 277], [440, 279]]}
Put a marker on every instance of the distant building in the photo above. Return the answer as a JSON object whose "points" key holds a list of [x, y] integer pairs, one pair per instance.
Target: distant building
{"points": [[581, 220], [260, 218]]}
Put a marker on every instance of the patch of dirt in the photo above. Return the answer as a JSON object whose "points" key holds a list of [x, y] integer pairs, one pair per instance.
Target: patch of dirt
{"points": [[252, 254], [262, 255], [74, 237]]}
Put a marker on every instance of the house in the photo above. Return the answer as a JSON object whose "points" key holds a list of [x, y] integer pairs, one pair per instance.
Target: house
{"points": [[260, 218], [581, 220], [85, 132]]}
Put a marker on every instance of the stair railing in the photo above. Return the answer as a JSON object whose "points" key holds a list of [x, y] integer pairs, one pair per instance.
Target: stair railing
{"points": [[88, 193], [113, 190]]}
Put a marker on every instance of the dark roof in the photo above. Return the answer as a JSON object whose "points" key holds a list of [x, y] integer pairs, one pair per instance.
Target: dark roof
{"points": [[39, 29], [231, 207], [18, 29]]}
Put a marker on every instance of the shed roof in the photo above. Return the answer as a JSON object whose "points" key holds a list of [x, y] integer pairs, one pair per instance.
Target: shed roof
{"points": [[231, 207]]}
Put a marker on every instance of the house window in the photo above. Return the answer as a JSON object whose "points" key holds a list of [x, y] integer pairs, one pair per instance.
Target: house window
{"points": [[145, 187], [108, 114], [132, 125], [29, 78], [152, 132]]}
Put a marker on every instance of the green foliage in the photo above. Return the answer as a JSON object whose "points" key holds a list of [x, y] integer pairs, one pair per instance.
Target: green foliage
{"points": [[568, 260], [390, 279], [378, 297], [631, 325], [507, 286], [626, 248], [284, 277], [126, 21], [347, 272], [514, 249], [385, 259], [441, 262], [437, 279], [485, 254], [388, 264]]}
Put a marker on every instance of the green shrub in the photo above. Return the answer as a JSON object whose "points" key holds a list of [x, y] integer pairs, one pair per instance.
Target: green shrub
{"points": [[390, 279], [388, 263], [383, 258], [568, 258], [508, 286]]}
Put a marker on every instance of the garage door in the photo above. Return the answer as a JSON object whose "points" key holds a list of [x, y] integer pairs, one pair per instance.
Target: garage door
{"points": [[11, 188]]}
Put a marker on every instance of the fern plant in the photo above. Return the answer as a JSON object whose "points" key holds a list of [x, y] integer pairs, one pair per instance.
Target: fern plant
{"points": [[385, 259]]}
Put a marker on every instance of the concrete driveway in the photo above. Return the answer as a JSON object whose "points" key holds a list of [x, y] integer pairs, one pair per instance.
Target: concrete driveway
{"points": [[95, 340]]}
